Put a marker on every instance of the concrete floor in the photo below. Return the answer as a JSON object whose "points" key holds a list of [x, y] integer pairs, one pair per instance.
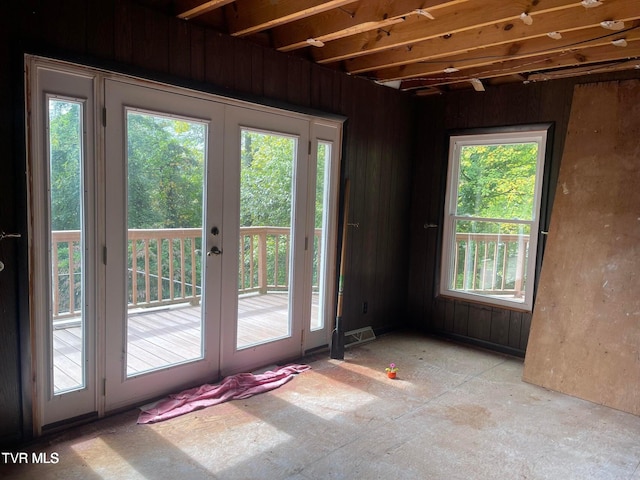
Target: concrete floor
{"points": [[453, 413]]}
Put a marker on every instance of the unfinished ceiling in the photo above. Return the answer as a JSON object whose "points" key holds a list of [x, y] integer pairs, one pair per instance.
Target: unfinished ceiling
{"points": [[429, 46]]}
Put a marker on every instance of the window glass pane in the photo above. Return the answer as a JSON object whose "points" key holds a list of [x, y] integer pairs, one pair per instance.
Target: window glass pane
{"points": [[67, 260], [490, 258], [497, 181]]}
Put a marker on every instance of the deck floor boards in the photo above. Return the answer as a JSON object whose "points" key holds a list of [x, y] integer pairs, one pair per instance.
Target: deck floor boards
{"points": [[164, 337]]}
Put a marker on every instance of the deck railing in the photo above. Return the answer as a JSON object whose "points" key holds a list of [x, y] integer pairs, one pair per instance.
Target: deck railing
{"points": [[164, 266], [491, 264]]}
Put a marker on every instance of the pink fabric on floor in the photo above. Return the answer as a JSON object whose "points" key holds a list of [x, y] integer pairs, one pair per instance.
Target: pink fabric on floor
{"points": [[241, 385]]}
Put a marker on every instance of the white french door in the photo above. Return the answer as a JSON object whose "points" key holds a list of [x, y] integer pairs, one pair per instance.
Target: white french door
{"points": [[177, 237], [279, 239], [163, 177], [266, 319]]}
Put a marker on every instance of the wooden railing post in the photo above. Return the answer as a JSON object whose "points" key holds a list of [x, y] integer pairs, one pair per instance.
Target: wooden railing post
{"points": [[262, 261], [520, 267]]}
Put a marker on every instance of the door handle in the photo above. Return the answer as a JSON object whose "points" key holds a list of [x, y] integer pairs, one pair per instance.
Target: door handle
{"points": [[214, 251]]}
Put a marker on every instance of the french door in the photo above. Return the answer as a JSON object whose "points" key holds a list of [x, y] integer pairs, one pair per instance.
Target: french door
{"points": [[177, 237], [163, 186], [277, 300]]}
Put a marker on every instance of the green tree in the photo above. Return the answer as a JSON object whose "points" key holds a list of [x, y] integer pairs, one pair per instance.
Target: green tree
{"points": [[266, 179], [497, 181], [65, 155], [166, 172]]}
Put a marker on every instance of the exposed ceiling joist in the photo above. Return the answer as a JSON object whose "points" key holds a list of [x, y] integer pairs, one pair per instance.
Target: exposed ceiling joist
{"points": [[588, 70], [486, 14], [414, 41], [571, 58], [502, 32], [359, 17], [202, 8], [531, 47], [245, 17]]}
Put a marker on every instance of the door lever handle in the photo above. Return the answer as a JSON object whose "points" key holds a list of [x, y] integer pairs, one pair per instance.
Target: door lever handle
{"points": [[214, 251]]}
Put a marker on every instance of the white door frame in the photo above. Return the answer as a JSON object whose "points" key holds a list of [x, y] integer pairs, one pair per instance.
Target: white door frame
{"points": [[46, 83], [88, 86]]}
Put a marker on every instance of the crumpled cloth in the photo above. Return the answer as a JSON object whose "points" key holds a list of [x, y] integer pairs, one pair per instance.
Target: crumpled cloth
{"points": [[241, 385]]}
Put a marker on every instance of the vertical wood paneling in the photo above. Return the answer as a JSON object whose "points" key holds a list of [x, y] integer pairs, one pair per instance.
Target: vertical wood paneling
{"points": [[369, 221], [150, 36], [10, 395], [479, 323], [356, 168], [123, 32], [298, 80], [71, 34], [213, 55], [197, 53], [242, 67], [500, 326], [322, 88], [274, 75], [101, 28], [257, 70], [179, 49], [515, 329], [460, 318]]}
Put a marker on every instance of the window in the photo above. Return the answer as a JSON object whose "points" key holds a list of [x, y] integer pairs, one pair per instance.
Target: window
{"points": [[491, 219]]}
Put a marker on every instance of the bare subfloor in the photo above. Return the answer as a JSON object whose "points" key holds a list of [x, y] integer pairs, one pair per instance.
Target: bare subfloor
{"points": [[453, 413]]}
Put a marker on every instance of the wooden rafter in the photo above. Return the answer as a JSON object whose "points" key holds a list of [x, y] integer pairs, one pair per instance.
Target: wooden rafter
{"points": [[570, 58], [360, 17], [588, 37], [566, 22], [251, 16], [472, 14], [202, 9], [416, 40], [588, 70]]}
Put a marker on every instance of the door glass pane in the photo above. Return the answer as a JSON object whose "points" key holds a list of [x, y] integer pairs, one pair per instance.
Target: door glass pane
{"points": [[319, 238], [67, 239], [166, 172], [266, 195]]}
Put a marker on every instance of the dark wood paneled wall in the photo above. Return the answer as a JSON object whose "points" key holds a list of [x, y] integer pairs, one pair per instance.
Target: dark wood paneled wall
{"points": [[124, 36], [513, 104]]}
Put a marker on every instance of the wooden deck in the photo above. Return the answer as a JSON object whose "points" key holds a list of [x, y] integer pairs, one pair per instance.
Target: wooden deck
{"points": [[169, 336]]}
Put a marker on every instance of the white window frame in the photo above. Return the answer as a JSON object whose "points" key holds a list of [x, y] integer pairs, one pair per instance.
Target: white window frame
{"points": [[531, 134]]}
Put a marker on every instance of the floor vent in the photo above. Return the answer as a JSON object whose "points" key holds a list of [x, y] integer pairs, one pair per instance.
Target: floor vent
{"points": [[356, 337]]}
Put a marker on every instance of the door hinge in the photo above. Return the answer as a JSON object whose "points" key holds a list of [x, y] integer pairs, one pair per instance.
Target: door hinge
{"points": [[104, 116], [104, 387], [306, 243], [309, 147], [104, 255]]}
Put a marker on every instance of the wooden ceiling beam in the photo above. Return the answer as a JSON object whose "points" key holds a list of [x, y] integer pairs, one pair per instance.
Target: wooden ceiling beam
{"points": [[202, 8], [588, 70], [588, 37], [245, 17], [573, 58], [503, 32], [470, 15], [358, 18]]}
